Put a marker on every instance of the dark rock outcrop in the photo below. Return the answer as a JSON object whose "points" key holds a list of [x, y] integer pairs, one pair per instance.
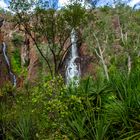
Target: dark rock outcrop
{"points": [[1, 21], [88, 61]]}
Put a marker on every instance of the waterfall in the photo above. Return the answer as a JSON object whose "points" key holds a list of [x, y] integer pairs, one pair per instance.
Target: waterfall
{"points": [[13, 77], [73, 71]]}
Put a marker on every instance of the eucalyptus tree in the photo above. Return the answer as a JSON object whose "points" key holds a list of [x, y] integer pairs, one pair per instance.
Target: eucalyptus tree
{"points": [[53, 26], [113, 40]]}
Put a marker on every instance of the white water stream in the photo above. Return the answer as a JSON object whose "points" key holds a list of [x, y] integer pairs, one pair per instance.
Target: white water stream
{"points": [[13, 77], [73, 71]]}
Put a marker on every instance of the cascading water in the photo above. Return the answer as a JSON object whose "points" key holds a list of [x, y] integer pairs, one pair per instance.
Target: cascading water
{"points": [[13, 77], [73, 71]]}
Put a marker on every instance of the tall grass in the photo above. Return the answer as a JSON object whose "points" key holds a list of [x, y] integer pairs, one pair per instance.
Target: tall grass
{"points": [[95, 110], [110, 110]]}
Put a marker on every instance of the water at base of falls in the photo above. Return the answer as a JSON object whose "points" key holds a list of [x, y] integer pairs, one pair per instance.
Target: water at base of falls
{"points": [[73, 71], [12, 76]]}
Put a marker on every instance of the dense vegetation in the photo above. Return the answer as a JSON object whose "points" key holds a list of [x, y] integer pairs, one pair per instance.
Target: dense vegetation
{"points": [[105, 106]]}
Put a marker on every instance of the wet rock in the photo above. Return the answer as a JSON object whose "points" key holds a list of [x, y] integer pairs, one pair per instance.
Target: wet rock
{"points": [[77, 60]]}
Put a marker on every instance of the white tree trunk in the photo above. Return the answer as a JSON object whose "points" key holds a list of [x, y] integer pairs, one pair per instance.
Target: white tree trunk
{"points": [[100, 55]]}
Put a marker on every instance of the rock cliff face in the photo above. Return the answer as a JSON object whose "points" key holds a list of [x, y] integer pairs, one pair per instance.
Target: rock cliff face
{"points": [[25, 49], [30, 57], [28, 54], [4, 77], [34, 64], [88, 61]]}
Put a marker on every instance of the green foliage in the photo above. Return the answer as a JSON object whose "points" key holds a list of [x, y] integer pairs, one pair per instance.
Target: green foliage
{"points": [[75, 15], [1, 10], [21, 6], [16, 61], [52, 26], [125, 108], [17, 39], [23, 126], [98, 109]]}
